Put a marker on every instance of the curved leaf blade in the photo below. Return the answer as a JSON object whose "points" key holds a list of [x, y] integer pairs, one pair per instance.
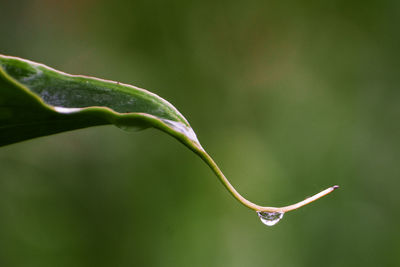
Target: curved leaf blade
{"points": [[36, 100]]}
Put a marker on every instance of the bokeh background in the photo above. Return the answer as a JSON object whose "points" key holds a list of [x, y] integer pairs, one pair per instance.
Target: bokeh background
{"points": [[289, 97]]}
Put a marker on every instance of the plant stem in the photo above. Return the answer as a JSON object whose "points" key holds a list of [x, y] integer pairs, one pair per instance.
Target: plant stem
{"points": [[214, 167]]}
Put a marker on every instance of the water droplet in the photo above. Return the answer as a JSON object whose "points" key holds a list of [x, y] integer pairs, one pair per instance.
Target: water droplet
{"points": [[270, 218], [131, 128]]}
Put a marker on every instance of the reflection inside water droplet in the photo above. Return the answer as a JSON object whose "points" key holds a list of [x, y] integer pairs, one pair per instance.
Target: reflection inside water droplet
{"points": [[270, 218]]}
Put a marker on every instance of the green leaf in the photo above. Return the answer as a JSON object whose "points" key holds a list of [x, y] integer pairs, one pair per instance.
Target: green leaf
{"points": [[36, 100]]}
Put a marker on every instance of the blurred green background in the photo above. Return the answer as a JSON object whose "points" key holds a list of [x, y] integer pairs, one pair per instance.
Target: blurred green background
{"points": [[289, 97]]}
